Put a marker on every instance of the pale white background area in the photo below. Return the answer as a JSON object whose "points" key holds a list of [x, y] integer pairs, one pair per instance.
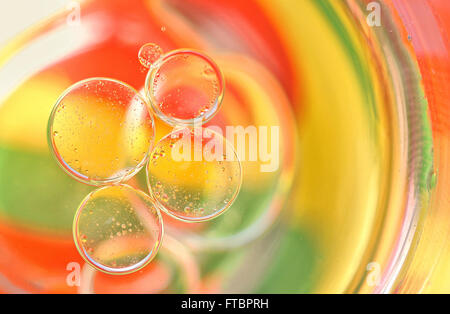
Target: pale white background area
{"points": [[17, 15]]}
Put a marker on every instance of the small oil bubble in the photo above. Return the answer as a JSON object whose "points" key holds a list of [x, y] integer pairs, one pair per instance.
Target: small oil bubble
{"points": [[149, 53]]}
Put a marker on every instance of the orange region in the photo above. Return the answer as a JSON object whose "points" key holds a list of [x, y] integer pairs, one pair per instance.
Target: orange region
{"points": [[211, 285], [153, 278], [35, 262], [247, 21]]}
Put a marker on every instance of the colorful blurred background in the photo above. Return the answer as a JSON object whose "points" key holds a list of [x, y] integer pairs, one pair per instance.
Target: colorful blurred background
{"points": [[360, 202]]}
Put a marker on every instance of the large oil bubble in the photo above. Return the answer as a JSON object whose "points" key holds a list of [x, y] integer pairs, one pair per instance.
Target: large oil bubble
{"points": [[117, 229], [194, 174], [184, 87], [101, 131]]}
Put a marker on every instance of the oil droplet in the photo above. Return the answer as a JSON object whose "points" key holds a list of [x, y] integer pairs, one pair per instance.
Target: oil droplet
{"points": [[88, 120], [202, 189], [149, 53], [165, 198], [208, 71], [185, 87], [111, 247]]}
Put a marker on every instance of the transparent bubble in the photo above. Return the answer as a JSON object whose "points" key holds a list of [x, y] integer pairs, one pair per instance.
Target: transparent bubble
{"points": [[194, 174], [149, 53], [117, 229], [185, 88], [101, 131]]}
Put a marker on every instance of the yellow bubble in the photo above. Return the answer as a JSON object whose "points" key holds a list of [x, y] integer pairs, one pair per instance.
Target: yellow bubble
{"points": [[101, 131], [100, 235], [198, 178]]}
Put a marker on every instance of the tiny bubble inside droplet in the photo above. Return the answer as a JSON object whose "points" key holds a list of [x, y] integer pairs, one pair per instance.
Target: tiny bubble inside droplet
{"points": [[149, 53]]}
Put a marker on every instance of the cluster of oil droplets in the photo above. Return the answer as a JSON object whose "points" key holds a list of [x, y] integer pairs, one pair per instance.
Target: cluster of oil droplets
{"points": [[101, 132]]}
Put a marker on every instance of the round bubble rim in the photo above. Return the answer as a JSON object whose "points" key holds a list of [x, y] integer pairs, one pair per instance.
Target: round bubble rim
{"points": [[203, 218], [175, 122], [75, 174], [111, 270]]}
